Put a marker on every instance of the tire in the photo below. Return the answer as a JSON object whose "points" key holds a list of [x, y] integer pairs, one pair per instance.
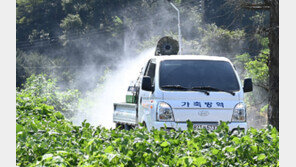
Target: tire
{"points": [[119, 126], [127, 127]]}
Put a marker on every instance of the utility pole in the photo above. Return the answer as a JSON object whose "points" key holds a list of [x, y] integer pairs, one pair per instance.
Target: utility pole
{"points": [[179, 27]]}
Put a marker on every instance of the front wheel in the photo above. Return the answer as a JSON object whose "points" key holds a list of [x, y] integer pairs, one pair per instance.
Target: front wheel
{"points": [[127, 127], [142, 125]]}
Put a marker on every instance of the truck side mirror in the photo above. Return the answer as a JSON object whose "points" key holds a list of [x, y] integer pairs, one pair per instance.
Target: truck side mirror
{"points": [[248, 85], [147, 84]]}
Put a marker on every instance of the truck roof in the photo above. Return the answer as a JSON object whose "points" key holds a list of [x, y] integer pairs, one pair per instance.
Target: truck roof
{"points": [[191, 57]]}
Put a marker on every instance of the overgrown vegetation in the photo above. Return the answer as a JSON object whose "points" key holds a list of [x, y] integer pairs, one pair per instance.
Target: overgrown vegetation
{"points": [[71, 36], [44, 137], [42, 90], [257, 69]]}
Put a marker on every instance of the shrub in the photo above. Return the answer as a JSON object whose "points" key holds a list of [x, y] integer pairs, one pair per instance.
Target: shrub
{"points": [[41, 90], [45, 138]]}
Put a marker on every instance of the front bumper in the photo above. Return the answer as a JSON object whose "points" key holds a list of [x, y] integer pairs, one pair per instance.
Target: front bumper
{"points": [[183, 126]]}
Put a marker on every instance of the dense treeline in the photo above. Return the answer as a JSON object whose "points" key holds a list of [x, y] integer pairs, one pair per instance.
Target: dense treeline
{"points": [[75, 41], [62, 37], [56, 31]]}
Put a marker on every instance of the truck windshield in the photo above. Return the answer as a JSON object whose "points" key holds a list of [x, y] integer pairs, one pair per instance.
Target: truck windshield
{"points": [[197, 74]]}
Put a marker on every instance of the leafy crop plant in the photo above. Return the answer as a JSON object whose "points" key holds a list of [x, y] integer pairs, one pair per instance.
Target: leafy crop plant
{"points": [[44, 137]]}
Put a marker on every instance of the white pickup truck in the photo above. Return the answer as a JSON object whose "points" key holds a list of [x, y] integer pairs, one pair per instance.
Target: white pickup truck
{"points": [[174, 89]]}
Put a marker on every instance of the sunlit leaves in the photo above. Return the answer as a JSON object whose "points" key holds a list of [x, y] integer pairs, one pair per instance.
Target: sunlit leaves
{"points": [[45, 138]]}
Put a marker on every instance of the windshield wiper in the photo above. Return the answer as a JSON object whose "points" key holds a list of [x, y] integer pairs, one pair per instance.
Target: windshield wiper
{"points": [[175, 87], [201, 90], [209, 88], [184, 88]]}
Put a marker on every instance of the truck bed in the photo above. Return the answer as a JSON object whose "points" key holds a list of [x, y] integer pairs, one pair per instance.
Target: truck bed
{"points": [[125, 113]]}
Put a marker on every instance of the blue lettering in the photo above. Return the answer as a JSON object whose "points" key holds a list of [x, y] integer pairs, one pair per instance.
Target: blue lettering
{"points": [[196, 103], [208, 104], [220, 104], [185, 103]]}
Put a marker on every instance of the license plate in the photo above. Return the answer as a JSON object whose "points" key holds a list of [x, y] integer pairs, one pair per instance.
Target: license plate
{"points": [[208, 127]]}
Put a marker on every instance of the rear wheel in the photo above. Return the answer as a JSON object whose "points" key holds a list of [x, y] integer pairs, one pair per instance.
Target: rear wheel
{"points": [[119, 126], [127, 127], [124, 126]]}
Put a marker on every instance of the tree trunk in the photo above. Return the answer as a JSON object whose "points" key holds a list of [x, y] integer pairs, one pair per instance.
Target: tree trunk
{"points": [[273, 64], [273, 111]]}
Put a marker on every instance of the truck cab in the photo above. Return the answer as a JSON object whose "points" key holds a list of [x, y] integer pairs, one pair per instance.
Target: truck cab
{"points": [[174, 89]]}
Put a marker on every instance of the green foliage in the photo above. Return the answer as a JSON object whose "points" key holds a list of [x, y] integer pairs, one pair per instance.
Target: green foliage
{"points": [[257, 69], [45, 138], [264, 41], [72, 23], [264, 109], [29, 63], [74, 30], [72, 26], [76, 33], [216, 40], [151, 43], [38, 89], [212, 40], [37, 15], [67, 34], [260, 18]]}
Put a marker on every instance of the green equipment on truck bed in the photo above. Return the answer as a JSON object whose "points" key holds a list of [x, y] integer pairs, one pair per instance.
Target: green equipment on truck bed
{"points": [[131, 94]]}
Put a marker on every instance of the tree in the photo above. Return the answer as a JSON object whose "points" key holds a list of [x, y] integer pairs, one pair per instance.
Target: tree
{"points": [[36, 23], [273, 117], [273, 62]]}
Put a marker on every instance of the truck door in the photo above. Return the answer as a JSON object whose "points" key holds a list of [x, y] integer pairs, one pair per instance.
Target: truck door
{"points": [[146, 96]]}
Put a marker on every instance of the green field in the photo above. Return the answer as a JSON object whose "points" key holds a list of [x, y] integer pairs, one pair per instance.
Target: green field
{"points": [[44, 137]]}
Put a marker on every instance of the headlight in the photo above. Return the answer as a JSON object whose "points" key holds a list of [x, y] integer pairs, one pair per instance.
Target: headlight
{"points": [[164, 112], [239, 113]]}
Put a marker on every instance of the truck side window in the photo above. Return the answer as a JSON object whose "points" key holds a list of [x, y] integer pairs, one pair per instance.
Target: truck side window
{"points": [[151, 71]]}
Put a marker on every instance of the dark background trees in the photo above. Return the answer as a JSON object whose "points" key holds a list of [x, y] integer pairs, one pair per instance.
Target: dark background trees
{"points": [[270, 28], [273, 61], [70, 38]]}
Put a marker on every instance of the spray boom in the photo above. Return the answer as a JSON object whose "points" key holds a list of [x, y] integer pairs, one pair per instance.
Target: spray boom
{"points": [[167, 46]]}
